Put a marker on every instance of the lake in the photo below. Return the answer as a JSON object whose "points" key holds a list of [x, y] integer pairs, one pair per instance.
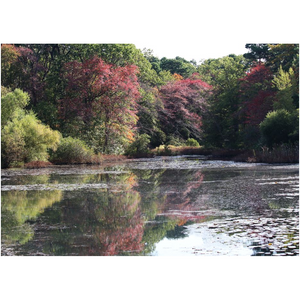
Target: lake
{"points": [[172, 206]]}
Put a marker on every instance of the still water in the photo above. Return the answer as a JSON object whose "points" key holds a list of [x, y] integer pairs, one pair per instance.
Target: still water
{"points": [[160, 206]]}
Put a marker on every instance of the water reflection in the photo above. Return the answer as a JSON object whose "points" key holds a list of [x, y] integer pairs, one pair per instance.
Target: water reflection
{"points": [[130, 210], [19, 207]]}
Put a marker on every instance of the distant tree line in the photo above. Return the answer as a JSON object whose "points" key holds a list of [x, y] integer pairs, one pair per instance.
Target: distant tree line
{"points": [[83, 100]]}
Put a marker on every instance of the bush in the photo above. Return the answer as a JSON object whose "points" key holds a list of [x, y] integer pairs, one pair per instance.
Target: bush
{"points": [[72, 151], [12, 147], [164, 150], [139, 146], [26, 139], [23, 137], [280, 127], [38, 138], [175, 141], [192, 143]]}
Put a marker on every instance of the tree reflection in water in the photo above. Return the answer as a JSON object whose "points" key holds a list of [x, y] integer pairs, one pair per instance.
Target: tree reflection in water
{"points": [[19, 207], [126, 211], [109, 221]]}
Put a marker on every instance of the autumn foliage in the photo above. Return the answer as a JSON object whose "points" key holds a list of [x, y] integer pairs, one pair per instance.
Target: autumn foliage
{"points": [[183, 102], [257, 94], [110, 95], [98, 93]]}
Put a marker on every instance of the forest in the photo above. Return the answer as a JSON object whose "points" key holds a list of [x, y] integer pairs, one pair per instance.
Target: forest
{"points": [[75, 103]]}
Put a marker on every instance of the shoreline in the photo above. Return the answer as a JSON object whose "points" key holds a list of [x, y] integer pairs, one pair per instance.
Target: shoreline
{"points": [[210, 154]]}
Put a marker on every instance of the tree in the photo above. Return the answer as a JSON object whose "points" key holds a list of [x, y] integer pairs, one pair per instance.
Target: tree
{"points": [[221, 118], [100, 96], [148, 122], [284, 55], [288, 90], [257, 93], [183, 102], [178, 65], [257, 52], [12, 103], [29, 74], [9, 56]]}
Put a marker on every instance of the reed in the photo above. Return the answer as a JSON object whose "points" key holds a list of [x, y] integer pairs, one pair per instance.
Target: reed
{"points": [[280, 154], [37, 164]]}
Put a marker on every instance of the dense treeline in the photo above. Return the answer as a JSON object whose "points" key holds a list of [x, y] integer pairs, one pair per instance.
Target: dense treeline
{"points": [[72, 102]]}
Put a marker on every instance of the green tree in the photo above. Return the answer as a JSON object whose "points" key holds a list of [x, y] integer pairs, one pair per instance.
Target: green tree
{"points": [[288, 90], [257, 52], [284, 55], [12, 103], [178, 65], [221, 119], [148, 122]]}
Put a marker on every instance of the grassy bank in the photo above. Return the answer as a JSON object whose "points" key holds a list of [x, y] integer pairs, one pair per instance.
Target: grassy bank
{"points": [[282, 154], [104, 159], [224, 154]]}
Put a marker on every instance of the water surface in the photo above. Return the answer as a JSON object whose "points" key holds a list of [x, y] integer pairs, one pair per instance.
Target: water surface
{"points": [[183, 205]]}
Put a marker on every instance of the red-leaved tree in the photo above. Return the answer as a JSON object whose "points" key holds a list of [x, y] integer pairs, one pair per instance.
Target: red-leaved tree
{"points": [[257, 94], [183, 102], [256, 97], [101, 94], [21, 69]]}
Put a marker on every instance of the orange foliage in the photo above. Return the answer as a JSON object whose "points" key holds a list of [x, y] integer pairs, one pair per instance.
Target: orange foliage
{"points": [[177, 76]]}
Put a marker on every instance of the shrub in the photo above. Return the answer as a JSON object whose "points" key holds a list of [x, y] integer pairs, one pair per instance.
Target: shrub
{"points": [[23, 137], [139, 146], [38, 138], [26, 139], [280, 127], [12, 146], [72, 151], [175, 141], [192, 143]]}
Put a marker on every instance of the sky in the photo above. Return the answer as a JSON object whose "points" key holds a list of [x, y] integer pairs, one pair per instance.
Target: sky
{"points": [[192, 29], [196, 51]]}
